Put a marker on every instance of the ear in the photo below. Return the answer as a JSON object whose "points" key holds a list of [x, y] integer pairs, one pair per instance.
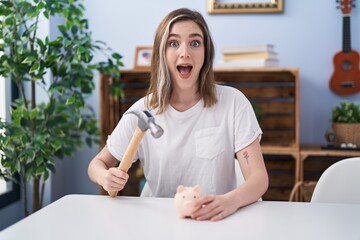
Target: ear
{"points": [[180, 188], [197, 188]]}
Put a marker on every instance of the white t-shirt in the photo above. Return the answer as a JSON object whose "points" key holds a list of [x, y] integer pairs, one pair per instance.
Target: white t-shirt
{"points": [[198, 146]]}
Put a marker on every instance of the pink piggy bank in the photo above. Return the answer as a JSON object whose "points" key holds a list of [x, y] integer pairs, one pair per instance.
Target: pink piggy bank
{"points": [[184, 200]]}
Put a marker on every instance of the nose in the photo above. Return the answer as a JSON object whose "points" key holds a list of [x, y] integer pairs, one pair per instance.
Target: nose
{"points": [[184, 51]]}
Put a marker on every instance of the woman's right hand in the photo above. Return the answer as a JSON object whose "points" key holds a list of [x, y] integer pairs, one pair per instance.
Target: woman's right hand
{"points": [[114, 180], [103, 171]]}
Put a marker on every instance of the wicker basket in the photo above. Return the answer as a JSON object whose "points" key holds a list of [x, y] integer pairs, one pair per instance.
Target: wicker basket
{"points": [[347, 133], [304, 189]]}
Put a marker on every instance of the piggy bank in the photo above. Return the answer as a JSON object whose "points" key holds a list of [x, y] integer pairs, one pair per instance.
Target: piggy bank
{"points": [[184, 200]]}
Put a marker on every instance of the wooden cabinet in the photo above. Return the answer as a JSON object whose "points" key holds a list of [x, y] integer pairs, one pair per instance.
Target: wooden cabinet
{"points": [[275, 91], [320, 160], [313, 161]]}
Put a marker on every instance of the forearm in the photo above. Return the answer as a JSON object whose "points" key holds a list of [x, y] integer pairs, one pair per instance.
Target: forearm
{"points": [[96, 171], [253, 168], [250, 191], [99, 166]]}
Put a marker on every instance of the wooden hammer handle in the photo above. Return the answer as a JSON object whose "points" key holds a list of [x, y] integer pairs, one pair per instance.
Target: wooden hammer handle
{"points": [[129, 154]]}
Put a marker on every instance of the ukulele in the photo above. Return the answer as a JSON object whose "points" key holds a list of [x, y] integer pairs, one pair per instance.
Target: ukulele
{"points": [[345, 79]]}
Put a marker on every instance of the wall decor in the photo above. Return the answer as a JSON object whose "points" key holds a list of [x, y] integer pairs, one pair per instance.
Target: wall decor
{"points": [[247, 6], [143, 56]]}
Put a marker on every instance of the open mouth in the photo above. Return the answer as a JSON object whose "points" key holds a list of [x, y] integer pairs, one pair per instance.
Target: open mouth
{"points": [[184, 70]]}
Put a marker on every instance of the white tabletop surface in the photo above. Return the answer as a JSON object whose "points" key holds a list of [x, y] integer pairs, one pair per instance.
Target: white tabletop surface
{"points": [[102, 217]]}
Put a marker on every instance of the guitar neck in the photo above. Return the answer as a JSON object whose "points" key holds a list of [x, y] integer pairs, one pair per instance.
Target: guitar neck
{"points": [[346, 34]]}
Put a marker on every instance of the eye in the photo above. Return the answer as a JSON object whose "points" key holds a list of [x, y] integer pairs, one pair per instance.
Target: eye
{"points": [[183, 196], [173, 43], [195, 43], [194, 196]]}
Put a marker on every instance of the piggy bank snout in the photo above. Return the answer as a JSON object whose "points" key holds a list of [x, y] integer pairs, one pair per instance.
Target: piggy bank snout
{"points": [[189, 204]]}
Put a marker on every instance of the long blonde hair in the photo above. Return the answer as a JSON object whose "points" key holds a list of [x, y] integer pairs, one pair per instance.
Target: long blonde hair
{"points": [[159, 92]]}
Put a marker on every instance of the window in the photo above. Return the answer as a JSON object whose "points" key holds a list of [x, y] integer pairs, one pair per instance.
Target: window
{"points": [[9, 192]]}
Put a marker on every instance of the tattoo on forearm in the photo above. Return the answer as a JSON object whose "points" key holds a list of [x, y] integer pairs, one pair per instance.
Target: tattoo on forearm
{"points": [[246, 156]]}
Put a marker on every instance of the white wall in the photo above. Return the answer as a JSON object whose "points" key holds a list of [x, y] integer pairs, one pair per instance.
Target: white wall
{"points": [[306, 35]]}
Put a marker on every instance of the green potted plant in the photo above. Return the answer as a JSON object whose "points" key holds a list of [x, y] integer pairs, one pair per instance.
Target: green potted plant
{"points": [[345, 119], [258, 111], [41, 132]]}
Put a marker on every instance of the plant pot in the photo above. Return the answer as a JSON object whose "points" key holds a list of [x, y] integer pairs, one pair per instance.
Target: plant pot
{"points": [[347, 133]]}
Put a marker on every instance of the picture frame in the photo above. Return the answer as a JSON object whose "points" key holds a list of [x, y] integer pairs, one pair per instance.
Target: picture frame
{"points": [[143, 56], [244, 6]]}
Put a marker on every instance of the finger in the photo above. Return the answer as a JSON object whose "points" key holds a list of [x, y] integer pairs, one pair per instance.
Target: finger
{"points": [[203, 201], [118, 173], [204, 209], [221, 215], [114, 183], [115, 186], [206, 213], [120, 183], [111, 185]]}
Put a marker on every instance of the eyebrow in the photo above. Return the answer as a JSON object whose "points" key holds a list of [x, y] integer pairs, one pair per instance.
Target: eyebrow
{"points": [[192, 35]]}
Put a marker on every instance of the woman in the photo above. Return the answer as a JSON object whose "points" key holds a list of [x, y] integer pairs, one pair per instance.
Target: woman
{"points": [[204, 124]]}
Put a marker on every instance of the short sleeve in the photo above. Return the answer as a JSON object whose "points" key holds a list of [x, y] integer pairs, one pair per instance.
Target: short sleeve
{"points": [[119, 139], [246, 126]]}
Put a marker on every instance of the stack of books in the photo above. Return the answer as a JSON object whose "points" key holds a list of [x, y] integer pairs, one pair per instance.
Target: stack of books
{"points": [[248, 56]]}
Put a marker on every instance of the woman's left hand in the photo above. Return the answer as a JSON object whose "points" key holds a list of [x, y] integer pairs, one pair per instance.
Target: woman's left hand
{"points": [[213, 207]]}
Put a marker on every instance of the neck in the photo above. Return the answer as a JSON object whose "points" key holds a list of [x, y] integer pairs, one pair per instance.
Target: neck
{"points": [[184, 100], [346, 34]]}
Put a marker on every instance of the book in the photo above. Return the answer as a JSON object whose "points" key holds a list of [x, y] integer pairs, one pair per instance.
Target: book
{"points": [[248, 63], [248, 48], [249, 55]]}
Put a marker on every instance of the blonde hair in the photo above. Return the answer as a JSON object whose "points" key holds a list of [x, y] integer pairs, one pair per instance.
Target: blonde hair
{"points": [[159, 92]]}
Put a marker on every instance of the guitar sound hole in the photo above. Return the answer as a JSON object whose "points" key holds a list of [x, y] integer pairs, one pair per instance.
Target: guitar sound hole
{"points": [[346, 65]]}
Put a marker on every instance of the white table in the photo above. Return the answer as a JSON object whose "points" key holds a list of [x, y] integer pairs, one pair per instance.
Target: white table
{"points": [[124, 218]]}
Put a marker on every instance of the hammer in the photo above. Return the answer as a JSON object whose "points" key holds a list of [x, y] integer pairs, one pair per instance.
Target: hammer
{"points": [[145, 121]]}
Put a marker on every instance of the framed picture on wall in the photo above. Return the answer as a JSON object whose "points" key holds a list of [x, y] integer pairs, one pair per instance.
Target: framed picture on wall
{"points": [[143, 56], [244, 6]]}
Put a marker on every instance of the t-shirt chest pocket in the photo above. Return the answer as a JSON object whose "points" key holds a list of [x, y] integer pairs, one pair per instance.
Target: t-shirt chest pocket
{"points": [[209, 142]]}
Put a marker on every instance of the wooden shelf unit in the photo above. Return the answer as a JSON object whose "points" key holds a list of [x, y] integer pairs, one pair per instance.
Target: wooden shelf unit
{"points": [[274, 90], [312, 162], [307, 151]]}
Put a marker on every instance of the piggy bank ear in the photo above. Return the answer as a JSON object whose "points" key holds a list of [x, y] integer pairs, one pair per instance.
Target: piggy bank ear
{"points": [[197, 188], [180, 188]]}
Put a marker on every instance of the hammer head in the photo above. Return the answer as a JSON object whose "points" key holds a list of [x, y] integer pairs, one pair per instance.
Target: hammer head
{"points": [[147, 121]]}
